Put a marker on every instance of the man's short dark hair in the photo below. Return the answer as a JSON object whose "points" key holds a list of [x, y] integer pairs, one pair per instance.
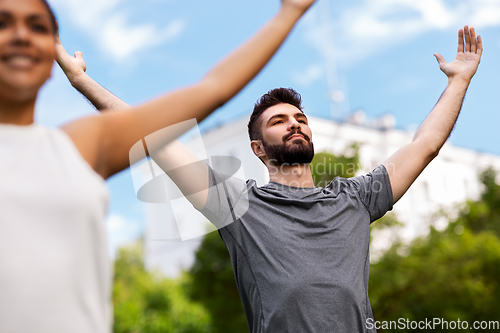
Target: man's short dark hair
{"points": [[272, 98]]}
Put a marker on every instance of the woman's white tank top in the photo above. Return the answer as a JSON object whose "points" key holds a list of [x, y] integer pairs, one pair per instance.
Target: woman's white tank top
{"points": [[55, 271]]}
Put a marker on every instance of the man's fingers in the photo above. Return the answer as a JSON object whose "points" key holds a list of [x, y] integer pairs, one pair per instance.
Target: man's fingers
{"points": [[460, 41], [467, 38], [479, 45], [439, 59], [473, 45]]}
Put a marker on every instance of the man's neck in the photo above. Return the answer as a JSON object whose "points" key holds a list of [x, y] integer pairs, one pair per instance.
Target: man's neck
{"points": [[291, 175]]}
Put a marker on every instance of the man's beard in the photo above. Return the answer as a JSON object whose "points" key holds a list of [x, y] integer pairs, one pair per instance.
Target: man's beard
{"points": [[298, 152]]}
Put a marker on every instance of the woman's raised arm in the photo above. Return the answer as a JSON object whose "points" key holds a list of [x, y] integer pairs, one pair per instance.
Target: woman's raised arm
{"points": [[104, 141]]}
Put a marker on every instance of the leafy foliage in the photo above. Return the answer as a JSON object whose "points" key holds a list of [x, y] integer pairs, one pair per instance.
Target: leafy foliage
{"points": [[483, 215], [451, 274], [326, 166], [145, 302], [213, 285]]}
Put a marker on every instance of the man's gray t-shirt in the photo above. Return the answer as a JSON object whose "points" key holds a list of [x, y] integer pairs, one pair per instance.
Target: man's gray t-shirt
{"points": [[300, 255]]}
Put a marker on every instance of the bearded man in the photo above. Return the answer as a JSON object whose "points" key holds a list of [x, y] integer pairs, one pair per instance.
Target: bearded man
{"points": [[300, 253]]}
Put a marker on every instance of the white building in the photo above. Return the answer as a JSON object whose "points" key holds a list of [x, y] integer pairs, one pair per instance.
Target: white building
{"points": [[450, 179]]}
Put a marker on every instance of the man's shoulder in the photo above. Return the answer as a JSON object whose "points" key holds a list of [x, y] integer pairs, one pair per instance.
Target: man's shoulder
{"points": [[339, 184]]}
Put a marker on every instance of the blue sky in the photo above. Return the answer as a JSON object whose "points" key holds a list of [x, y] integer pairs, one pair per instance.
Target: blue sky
{"points": [[379, 55]]}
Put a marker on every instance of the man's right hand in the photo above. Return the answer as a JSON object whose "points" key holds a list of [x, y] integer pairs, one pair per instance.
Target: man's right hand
{"points": [[468, 56]]}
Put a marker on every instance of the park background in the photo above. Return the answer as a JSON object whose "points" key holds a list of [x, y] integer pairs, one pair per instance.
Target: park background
{"points": [[377, 55]]}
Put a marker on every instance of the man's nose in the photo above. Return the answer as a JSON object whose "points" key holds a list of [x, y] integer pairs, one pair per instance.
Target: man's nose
{"points": [[294, 125]]}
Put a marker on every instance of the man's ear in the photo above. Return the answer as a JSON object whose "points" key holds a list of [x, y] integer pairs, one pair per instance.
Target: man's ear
{"points": [[258, 148]]}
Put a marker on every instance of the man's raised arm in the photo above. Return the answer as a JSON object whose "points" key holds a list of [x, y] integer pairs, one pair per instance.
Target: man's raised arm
{"points": [[407, 163], [186, 170]]}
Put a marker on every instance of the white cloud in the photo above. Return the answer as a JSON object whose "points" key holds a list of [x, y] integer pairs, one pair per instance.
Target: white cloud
{"points": [[375, 25], [122, 41], [308, 76], [487, 15], [105, 22], [87, 15]]}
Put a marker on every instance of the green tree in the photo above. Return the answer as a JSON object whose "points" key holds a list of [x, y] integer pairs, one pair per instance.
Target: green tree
{"points": [[213, 284], [326, 166], [484, 214], [146, 302], [451, 274]]}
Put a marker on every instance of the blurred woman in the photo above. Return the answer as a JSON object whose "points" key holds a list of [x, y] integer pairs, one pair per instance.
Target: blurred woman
{"points": [[55, 275]]}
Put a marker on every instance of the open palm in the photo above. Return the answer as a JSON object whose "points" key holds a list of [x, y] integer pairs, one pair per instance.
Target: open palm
{"points": [[468, 57]]}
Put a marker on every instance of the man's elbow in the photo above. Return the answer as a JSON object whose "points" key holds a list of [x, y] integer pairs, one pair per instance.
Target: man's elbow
{"points": [[435, 152], [428, 148], [432, 151], [432, 154]]}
